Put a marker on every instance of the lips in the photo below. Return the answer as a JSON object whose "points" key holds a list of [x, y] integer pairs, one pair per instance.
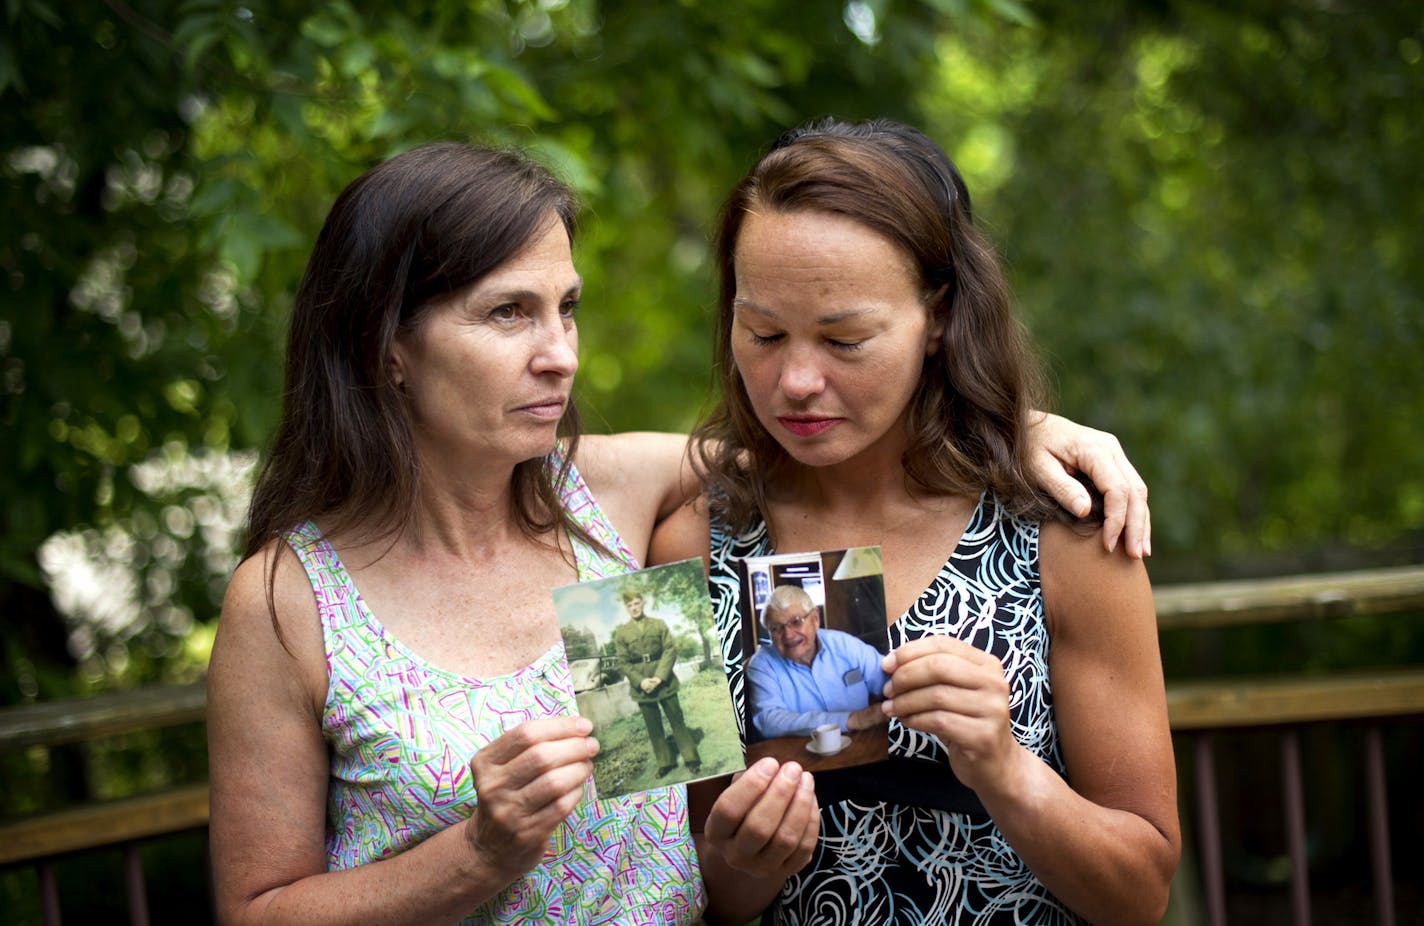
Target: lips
{"points": [[551, 407], [807, 425]]}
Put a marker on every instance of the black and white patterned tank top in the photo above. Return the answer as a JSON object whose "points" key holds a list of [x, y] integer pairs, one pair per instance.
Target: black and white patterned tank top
{"points": [[933, 855]]}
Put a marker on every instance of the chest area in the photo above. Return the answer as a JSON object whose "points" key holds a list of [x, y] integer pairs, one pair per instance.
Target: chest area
{"points": [[473, 620], [914, 548], [984, 589], [641, 639]]}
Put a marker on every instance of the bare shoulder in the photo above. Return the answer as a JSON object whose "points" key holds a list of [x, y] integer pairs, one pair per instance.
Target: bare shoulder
{"points": [[269, 630], [1084, 584], [1109, 697], [682, 535]]}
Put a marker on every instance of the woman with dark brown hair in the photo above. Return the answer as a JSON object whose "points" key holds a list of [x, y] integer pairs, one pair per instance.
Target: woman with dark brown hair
{"points": [[392, 731], [877, 390]]}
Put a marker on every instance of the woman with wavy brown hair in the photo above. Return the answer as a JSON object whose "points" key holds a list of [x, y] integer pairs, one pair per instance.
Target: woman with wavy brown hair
{"points": [[877, 389]]}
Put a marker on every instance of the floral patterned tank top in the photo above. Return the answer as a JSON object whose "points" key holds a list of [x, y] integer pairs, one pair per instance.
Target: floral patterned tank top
{"points": [[401, 733]]}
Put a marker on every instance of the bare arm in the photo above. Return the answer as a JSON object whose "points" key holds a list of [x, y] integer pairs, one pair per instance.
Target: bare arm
{"points": [[1107, 845], [682, 535], [269, 774], [643, 477]]}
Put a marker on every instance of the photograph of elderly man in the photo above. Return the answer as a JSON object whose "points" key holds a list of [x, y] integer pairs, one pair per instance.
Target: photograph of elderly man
{"points": [[811, 675]]}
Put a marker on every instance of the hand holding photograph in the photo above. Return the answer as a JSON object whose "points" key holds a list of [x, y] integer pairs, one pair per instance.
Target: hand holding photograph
{"points": [[816, 628], [640, 653]]}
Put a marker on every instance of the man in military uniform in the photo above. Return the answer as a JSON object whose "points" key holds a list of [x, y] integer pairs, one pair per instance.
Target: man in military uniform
{"points": [[646, 654]]}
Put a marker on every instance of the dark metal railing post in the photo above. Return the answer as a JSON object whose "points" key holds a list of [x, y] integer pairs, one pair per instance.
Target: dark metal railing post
{"points": [[49, 895], [1209, 829], [1294, 798], [1376, 796], [133, 884]]}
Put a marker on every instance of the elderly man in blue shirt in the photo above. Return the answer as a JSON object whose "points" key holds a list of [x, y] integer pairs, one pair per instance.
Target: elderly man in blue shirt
{"points": [[811, 676]]}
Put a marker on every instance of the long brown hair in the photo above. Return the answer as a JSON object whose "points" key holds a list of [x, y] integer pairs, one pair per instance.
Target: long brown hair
{"points": [[969, 413], [410, 231]]}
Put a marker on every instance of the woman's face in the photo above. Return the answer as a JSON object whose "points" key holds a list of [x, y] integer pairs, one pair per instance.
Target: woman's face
{"points": [[487, 372], [829, 333]]}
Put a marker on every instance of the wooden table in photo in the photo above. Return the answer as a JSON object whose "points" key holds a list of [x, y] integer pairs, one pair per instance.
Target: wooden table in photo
{"points": [[865, 746]]}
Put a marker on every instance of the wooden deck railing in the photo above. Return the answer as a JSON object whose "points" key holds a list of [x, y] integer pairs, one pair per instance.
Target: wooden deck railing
{"points": [[1197, 708]]}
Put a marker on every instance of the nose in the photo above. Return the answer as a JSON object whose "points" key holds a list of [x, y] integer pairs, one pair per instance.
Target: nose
{"points": [[801, 375], [556, 350]]}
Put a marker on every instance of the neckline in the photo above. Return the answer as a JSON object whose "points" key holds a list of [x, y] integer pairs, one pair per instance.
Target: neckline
{"points": [[541, 664], [971, 527]]}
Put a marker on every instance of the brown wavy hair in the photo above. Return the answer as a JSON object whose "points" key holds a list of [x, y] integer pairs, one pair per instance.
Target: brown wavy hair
{"points": [[969, 413], [407, 233]]}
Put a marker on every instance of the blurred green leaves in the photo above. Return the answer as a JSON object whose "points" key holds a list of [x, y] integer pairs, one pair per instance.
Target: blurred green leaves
{"points": [[1208, 221], [1208, 215]]}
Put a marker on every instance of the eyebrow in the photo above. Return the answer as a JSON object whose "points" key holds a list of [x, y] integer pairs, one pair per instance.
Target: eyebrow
{"points": [[524, 295], [831, 319]]}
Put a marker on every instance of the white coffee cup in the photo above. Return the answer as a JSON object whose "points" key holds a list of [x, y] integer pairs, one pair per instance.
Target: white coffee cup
{"points": [[827, 738]]}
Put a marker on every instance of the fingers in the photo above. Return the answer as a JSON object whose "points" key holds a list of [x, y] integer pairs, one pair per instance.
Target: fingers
{"points": [[1139, 516], [738, 799], [767, 821], [1052, 460], [1126, 515], [944, 674], [1060, 448], [539, 764], [526, 781], [1049, 472], [959, 694], [866, 718], [940, 684]]}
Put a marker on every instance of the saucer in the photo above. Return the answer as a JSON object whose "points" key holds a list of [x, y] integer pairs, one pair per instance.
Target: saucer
{"points": [[845, 744]]}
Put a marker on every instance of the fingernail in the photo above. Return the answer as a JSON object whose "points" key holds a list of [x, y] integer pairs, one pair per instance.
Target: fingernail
{"points": [[584, 726], [808, 782], [766, 767], [888, 706], [790, 771]]}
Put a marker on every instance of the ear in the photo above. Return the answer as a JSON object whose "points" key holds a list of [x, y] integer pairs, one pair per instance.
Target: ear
{"points": [[938, 312], [398, 362]]}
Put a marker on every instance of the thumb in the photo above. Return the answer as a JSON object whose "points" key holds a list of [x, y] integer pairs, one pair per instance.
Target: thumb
{"points": [[1051, 475]]}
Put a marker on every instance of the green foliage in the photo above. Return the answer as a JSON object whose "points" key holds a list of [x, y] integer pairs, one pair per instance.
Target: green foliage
{"points": [[1208, 212], [1209, 220], [1208, 216], [168, 163]]}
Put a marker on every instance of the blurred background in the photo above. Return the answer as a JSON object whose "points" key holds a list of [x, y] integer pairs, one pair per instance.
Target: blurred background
{"points": [[1209, 212]]}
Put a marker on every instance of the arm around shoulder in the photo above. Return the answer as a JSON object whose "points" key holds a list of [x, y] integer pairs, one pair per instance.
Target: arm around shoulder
{"points": [[639, 479], [683, 535]]}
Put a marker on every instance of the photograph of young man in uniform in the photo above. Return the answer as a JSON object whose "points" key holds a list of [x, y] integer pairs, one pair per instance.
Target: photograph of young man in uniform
{"points": [[646, 657]]}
